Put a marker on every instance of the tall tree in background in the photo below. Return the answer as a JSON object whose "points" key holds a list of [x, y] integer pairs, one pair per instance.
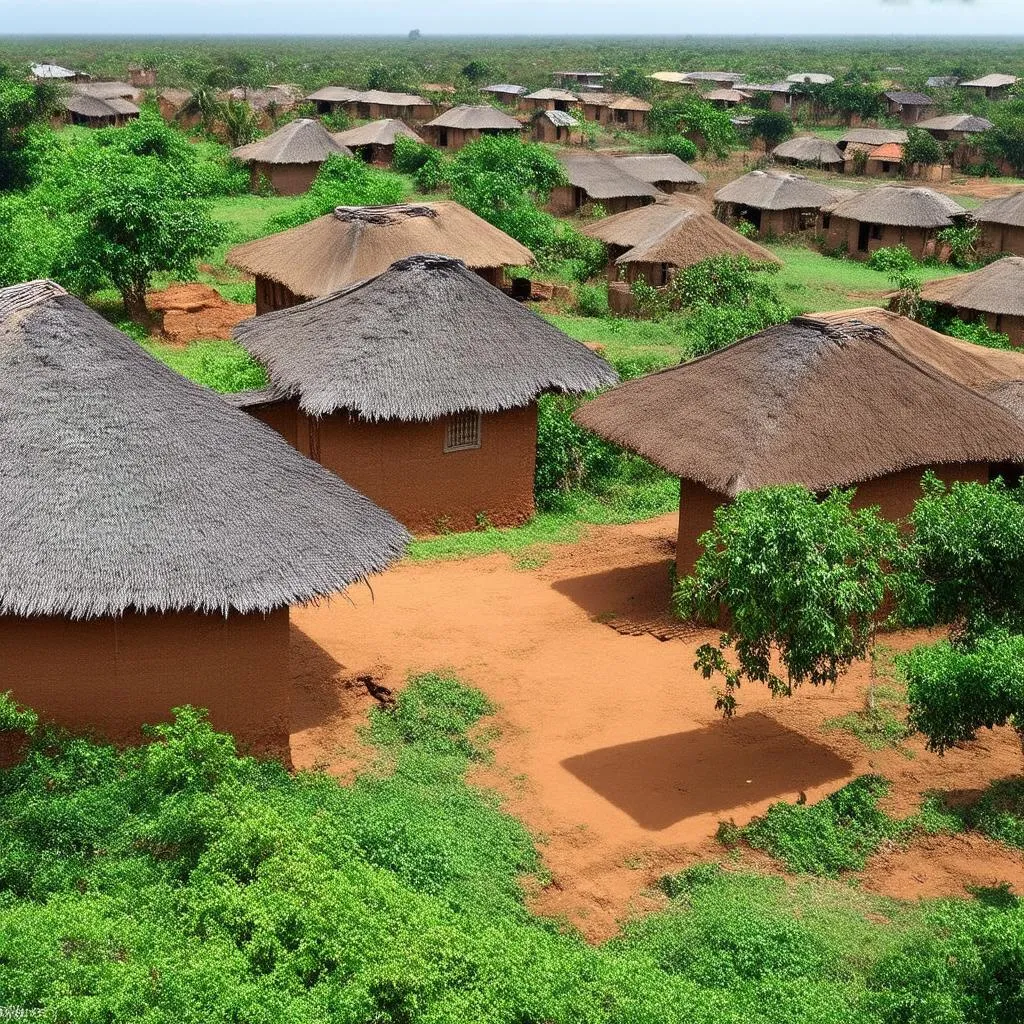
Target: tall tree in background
{"points": [[22, 104]]}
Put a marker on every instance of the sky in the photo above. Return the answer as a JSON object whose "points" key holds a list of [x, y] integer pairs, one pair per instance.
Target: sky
{"points": [[514, 17]]}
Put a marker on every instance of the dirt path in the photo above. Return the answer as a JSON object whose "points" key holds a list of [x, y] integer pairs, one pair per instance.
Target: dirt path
{"points": [[611, 749]]}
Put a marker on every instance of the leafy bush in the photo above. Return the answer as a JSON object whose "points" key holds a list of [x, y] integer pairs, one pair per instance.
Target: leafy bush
{"points": [[893, 260], [772, 126], [978, 333], [677, 145], [695, 116], [921, 147], [1005, 139], [592, 300], [999, 813], [220, 365], [963, 243]]}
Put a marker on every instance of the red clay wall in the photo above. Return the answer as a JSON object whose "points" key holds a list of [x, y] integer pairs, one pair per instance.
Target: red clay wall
{"points": [[286, 179], [697, 505], [112, 675], [1002, 238], [919, 241]]}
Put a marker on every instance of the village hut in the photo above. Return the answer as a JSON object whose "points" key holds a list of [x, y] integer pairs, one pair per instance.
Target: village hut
{"points": [[909, 107], [775, 202], [333, 98], [665, 171], [506, 94], [93, 112], [890, 215], [464, 124], [556, 126], [669, 77], [420, 388], [142, 77], [629, 112], [781, 96], [154, 537], [809, 78], [809, 151], [375, 104], [726, 99], [170, 103], [1002, 224], [57, 73], [550, 99], [291, 158], [598, 179], [871, 137], [885, 161], [823, 402], [110, 91], [719, 79], [994, 294], [962, 135], [358, 242], [375, 142], [992, 87]]}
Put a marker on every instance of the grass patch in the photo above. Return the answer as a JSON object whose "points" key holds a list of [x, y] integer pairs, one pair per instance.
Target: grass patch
{"points": [[659, 343], [998, 813], [882, 722], [221, 365]]}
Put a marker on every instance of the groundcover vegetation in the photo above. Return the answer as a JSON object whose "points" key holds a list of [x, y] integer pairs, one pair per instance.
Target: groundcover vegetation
{"points": [[180, 882]]}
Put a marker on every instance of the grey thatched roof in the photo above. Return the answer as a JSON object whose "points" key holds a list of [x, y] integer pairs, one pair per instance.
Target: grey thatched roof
{"points": [[874, 136], [128, 487], [93, 106], [810, 77], [995, 81], [809, 149], [813, 402], [909, 99], [726, 96], [603, 177], [425, 339], [997, 288], [899, 206], [654, 167], [560, 118], [1009, 211], [376, 133], [715, 76], [335, 94], [392, 99], [553, 94], [305, 141], [956, 123], [482, 117], [107, 90], [504, 89], [782, 87], [775, 190]]}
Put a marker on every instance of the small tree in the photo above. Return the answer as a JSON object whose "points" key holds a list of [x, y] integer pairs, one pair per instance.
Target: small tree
{"points": [[963, 243], [476, 71], [677, 145], [772, 126], [921, 147], [240, 122], [632, 82], [1005, 139], [801, 579], [21, 105]]}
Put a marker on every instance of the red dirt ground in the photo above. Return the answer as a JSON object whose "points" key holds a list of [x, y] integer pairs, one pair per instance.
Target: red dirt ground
{"points": [[197, 311], [611, 749]]}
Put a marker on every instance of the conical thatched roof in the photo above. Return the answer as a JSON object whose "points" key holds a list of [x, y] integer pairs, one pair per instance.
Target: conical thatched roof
{"points": [[482, 117], [128, 487], [679, 234], [775, 190], [358, 242], [652, 167], [997, 288], [809, 149], [822, 404], [956, 123], [426, 339], [1009, 211], [376, 133], [899, 206], [603, 177], [304, 141]]}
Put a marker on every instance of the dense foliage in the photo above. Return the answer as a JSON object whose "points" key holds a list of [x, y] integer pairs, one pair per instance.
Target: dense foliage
{"points": [[21, 106], [710, 129]]}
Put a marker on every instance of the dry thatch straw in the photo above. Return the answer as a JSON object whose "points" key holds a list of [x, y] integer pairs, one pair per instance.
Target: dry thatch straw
{"points": [[775, 190], [426, 339], [956, 123], [995, 81], [997, 288], [335, 94], [899, 206], [131, 488], [553, 94], [107, 90], [1008, 211], [652, 167], [93, 106], [358, 242], [809, 149], [603, 177], [819, 402], [305, 141], [677, 233], [875, 136], [376, 133], [482, 117], [392, 99], [909, 99]]}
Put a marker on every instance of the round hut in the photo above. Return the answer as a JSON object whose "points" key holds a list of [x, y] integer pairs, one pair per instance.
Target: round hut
{"points": [[420, 388], [809, 151], [375, 142], [1002, 224], [464, 124], [834, 400], [291, 157], [599, 180], [358, 242], [775, 202], [665, 171], [994, 294], [154, 536]]}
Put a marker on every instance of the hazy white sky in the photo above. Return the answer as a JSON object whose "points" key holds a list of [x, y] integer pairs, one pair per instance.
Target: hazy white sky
{"points": [[490, 17]]}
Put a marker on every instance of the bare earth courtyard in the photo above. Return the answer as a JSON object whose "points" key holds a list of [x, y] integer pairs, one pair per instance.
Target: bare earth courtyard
{"points": [[610, 747]]}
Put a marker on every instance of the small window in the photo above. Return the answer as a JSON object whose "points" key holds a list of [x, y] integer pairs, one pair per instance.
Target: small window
{"points": [[462, 432], [826, 220]]}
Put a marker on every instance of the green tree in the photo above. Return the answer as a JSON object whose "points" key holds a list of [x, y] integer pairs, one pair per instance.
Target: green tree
{"points": [[921, 147], [962, 240], [21, 106], [695, 116], [802, 580], [772, 126], [204, 104], [240, 122], [632, 81], [387, 77], [1005, 139], [677, 145], [476, 71]]}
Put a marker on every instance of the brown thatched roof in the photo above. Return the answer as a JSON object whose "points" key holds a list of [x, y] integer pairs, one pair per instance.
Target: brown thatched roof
{"points": [[1009, 211], [997, 288], [108, 90], [677, 233], [655, 167], [726, 96], [995, 81], [819, 403], [874, 136], [505, 89], [956, 123], [392, 99], [553, 94], [909, 99], [376, 133], [603, 177], [482, 117], [128, 487], [305, 141], [335, 94], [899, 206], [425, 339], [629, 103], [358, 242], [809, 149], [93, 106], [775, 190]]}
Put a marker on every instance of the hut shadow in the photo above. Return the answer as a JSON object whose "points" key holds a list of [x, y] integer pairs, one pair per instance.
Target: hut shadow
{"points": [[721, 767], [315, 682], [641, 592]]}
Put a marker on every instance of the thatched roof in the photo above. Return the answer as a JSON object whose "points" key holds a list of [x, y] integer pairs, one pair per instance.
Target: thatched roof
{"points": [[357, 242], [956, 123], [52, 71], [504, 89], [822, 404], [775, 190], [335, 94], [425, 339], [726, 96], [629, 103], [93, 106], [108, 90], [129, 487], [1009, 211], [782, 87], [874, 136], [899, 206], [990, 82], [654, 167], [392, 99], [715, 76], [305, 141], [603, 177], [997, 288], [810, 78], [376, 133], [673, 77], [553, 94], [677, 233], [559, 118], [483, 117], [909, 99], [809, 149]]}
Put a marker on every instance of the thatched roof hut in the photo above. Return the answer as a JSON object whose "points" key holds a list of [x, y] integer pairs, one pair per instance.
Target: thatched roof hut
{"points": [[550, 99], [726, 98], [992, 86], [334, 94], [663, 170], [873, 136], [810, 78], [1002, 224], [463, 124], [775, 202], [96, 112], [375, 133], [809, 149], [413, 370], [995, 292], [506, 92], [599, 179], [555, 126], [899, 206], [358, 242], [291, 157], [966, 124]]}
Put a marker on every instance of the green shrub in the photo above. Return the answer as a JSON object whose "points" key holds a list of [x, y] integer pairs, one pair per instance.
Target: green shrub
{"points": [[677, 145], [978, 333], [999, 813], [220, 365], [963, 243], [893, 260], [592, 300]]}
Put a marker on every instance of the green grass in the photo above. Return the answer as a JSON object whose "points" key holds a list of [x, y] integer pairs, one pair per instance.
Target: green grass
{"points": [[221, 365], [660, 341]]}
